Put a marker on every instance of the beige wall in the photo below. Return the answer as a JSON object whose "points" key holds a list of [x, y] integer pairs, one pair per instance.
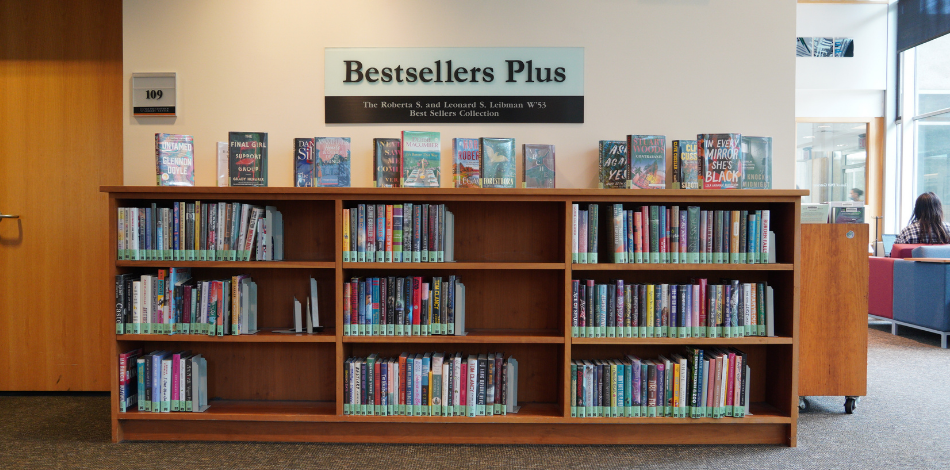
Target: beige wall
{"points": [[673, 67]]}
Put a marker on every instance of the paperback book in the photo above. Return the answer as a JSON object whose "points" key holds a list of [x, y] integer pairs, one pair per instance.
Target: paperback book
{"points": [[387, 157], [303, 162], [721, 158], [612, 164], [247, 158], [684, 156], [538, 164], [332, 156], [498, 162], [647, 161], [466, 164], [756, 162], [421, 159], [175, 160]]}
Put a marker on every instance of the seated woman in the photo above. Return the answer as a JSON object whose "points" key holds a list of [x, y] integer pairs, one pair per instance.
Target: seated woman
{"points": [[927, 225]]}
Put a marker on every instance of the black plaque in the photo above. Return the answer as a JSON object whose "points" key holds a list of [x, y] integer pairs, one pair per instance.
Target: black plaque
{"points": [[453, 109]]}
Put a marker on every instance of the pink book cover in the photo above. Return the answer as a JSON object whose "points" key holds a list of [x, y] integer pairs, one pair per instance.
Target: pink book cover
{"points": [[176, 361], [645, 230], [463, 386], [730, 380]]}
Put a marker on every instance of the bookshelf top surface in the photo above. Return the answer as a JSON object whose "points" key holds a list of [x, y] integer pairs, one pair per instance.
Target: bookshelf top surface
{"points": [[304, 193]]}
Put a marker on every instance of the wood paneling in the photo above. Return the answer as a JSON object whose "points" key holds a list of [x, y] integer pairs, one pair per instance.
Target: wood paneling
{"points": [[833, 357], [61, 135]]}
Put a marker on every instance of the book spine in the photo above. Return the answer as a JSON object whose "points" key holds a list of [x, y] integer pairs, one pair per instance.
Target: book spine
{"points": [[397, 233], [592, 226], [574, 211], [764, 234]]}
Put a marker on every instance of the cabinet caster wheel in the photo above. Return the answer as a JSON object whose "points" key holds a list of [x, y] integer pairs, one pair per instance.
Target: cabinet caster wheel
{"points": [[849, 405], [802, 403]]}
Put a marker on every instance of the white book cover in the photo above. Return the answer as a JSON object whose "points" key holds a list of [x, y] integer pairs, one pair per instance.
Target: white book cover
{"points": [[223, 168], [307, 318], [314, 310], [446, 394], [456, 383], [512, 398], [460, 309], [472, 385], [298, 318], [166, 389], [137, 302], [417, 383], [251, 237], [147, 301], [269, 233]]}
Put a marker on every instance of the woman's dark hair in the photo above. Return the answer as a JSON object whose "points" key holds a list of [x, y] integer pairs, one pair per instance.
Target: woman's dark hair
{"points": [[858, 192], [928, 212]]}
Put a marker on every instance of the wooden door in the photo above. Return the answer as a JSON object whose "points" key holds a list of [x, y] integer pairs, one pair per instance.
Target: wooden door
{"points": [[60, 139]]}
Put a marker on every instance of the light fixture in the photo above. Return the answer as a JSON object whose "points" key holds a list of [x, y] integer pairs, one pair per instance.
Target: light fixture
{"points": [[809, 137]]}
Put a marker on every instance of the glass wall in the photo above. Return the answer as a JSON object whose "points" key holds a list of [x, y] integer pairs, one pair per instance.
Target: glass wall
{"points": [[831, 161], [923, 129]]}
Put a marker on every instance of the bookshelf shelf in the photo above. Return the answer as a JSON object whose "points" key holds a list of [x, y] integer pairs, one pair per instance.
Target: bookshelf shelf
{"points": [[687, 341], [229, 264], [455, 265], [682, 267], [474, 336], [264, 336], [516, 247]]}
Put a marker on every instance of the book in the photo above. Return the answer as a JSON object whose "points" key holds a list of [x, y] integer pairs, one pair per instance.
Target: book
{"points": [[466, 164], [756, 162], [612, 164], [841, 214], [720, 156], [815, 213], [332, 157], [647, 156], [174, 160], [684, 154], [303, 162], [247, 158], [387, 158], [538, 164], [224, 169], [421, 159], [498, 162]]}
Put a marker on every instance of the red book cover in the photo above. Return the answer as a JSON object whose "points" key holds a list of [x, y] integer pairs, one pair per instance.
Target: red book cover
{"points": [[711, 383], [463, 386], [637, 233], [347, 315], [402, 379], [416, 300], [377, 384], [354, 306], [186, 304], [702, 303]]}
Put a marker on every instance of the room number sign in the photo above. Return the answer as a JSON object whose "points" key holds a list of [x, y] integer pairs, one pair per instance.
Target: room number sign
{"points": [[154, 94]]}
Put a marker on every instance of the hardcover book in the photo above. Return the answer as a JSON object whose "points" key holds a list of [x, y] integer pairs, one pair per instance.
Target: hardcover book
{"points": [[498, 162], [612, 164], [174, 160], [756, 162], [538, 164], [387, 157], [466, 165], [247, 158], [647, 161], [303, 163], [332, 156], [684, 153], [421, 159], [721, 158]]}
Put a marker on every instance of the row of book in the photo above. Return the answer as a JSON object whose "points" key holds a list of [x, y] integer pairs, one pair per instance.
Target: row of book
{"points": [[672, 234], [200, 231], [398, 233], [431, 384], [171, 302], [404, 306], [699, 309], [712, 161], [163, 381], [698, 383]]}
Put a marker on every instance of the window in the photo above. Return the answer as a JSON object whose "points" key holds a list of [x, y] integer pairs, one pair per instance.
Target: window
{"points": [[831, 161]]}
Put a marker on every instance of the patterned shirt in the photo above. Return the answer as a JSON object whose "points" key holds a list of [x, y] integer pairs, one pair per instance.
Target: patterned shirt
{"points": [[911, 234]]}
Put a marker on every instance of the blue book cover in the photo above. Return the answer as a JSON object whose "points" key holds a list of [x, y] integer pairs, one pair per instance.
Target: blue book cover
{"points": [[174, 159], [466, 164], [756, 163], [303, 162], [332, 156], [498, 162]]}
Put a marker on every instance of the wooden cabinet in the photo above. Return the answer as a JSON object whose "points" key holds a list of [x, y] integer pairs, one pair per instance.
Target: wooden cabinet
{"points": [[834, 305], [513, 251]]}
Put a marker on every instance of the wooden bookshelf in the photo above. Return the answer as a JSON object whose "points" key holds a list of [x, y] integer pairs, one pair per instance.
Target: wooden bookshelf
{"points": [[513, 252]]}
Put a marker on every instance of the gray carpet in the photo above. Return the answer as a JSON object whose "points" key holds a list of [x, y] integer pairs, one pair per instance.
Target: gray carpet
{"points": [[902, 423]]}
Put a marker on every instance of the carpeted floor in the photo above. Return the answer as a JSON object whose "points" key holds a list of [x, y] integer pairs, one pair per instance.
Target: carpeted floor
{"points": [[904, 422]]}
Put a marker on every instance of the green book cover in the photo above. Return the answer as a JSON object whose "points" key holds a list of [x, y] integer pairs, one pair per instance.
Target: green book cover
{"points": [[743, 236], [497, 162], [247, 158], [692, 234], [760, 308], [538, 165], [613, 167], [593, 233], [756, 154], [421, 157]]}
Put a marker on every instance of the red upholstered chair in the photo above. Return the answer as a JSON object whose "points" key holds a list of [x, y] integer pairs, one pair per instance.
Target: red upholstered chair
{"points": [[881, 281]]}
